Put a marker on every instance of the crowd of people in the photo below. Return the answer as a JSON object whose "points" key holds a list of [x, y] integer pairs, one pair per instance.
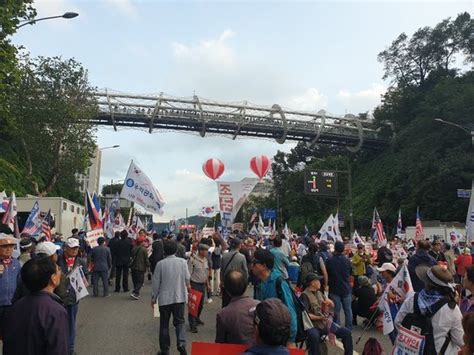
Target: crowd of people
{"points": [[284, 291]]}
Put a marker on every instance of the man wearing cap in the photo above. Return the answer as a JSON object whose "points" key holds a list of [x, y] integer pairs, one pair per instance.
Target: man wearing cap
{"points": [[9, 275], [233, 260], [139, 264], [198, 265], [446, 320], [388, 272], [25, 251], [43, 250], [364, 298], [68, 262], [273, 285], [272, 327], [101, 259], [318, 308], [436, 252]]}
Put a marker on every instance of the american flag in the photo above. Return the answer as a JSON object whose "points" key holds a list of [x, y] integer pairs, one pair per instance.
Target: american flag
{"points": [[419, 226], [33, 224], [46, 225], [377, 223]]}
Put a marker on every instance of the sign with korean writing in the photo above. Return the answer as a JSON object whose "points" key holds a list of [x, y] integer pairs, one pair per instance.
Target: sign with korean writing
{"points": [[408, 343], [320, 182], [208, 231], [92, 236], [232, 196], [194, 300], [79, 283], [138, 188]]}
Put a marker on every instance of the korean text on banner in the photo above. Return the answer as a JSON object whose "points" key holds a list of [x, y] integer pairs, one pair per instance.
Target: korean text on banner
{"points": [[92, 236], [208, 231], [194, 300], [76, 277], [408, 342], [232, 196], [138, 188]]}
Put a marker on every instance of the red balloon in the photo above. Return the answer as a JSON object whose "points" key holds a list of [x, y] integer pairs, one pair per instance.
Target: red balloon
{"points": [[213, 168], [260, 165]]}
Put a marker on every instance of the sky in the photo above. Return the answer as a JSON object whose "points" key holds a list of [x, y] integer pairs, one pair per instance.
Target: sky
{"points": [[305, 55]]}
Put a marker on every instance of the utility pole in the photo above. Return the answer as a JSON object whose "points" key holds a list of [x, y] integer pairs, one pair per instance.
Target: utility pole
{"points": [[351, 214]]}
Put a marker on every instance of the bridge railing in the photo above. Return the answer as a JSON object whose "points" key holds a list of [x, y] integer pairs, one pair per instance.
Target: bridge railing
{"points": [[152, 110]]}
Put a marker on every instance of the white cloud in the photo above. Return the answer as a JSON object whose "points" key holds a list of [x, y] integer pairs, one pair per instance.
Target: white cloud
{"points": [[311, 100], [210, 53], [363, 100], [190, 175]]}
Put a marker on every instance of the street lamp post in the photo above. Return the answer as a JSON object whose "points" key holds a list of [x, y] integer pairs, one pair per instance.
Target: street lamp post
{"points": [[67, 15], [111, 147], [464, 128]]}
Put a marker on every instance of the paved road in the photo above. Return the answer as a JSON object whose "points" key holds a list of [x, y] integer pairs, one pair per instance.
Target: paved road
{"points": [[119, 325]]}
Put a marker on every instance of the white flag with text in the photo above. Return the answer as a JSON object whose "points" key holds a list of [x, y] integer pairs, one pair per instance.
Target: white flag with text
{"points": [[138, 188]]}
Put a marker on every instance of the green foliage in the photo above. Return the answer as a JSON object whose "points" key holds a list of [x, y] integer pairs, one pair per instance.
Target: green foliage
{"points": [[426, 162], [51, 109], [11, 13], [111, 189], [409, 61]]}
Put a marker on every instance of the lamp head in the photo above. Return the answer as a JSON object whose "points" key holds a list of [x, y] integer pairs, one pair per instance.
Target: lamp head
{"points": [[69, 15]]}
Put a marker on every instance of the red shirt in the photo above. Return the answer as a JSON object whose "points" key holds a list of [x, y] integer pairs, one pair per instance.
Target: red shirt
{"points": [[462, 262]]}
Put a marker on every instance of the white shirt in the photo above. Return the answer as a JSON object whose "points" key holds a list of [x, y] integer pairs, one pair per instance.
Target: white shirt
{"points": [[443, 321]]}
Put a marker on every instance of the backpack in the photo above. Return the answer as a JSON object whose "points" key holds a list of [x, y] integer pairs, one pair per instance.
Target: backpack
{"points": [[305, 269], [372, 347], [302, 319], [309, 266], [422, 324]]}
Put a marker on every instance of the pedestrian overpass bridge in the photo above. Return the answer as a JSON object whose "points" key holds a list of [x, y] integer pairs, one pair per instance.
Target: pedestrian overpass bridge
{"points": [[155, 112]]}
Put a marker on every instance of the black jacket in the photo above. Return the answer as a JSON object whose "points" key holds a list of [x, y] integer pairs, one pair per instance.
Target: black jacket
{"points": [[156, 253], [37, 324], [122, 251], [65, 291]]}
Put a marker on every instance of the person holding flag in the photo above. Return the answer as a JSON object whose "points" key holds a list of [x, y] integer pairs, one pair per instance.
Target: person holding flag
{"points": [[68, 262]]}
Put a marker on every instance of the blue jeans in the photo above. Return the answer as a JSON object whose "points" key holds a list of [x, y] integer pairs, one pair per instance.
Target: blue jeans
{"points": [[345, 301], [72, 315], [314, 339]]}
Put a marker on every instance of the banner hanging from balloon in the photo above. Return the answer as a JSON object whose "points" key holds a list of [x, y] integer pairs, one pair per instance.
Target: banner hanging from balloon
{"points": [[232, 196]]}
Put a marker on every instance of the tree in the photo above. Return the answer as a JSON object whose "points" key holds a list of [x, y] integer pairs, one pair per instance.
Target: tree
{"points": [[409, 61], [111, 189], [52, 108], [11, 13]]}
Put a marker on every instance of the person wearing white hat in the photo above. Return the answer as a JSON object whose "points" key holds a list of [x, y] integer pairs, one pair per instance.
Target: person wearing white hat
{"points": [[68, 262], [9, 271], [48, 249], [436, 301]]}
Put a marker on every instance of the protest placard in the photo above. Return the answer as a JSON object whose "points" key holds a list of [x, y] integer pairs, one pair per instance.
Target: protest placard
{"points": [[92, 236]]}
